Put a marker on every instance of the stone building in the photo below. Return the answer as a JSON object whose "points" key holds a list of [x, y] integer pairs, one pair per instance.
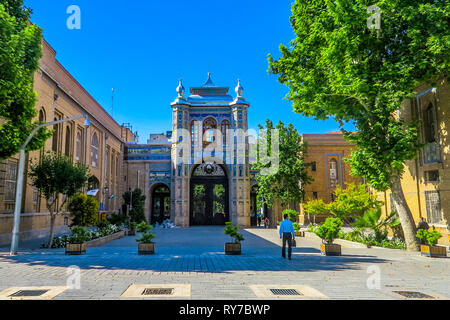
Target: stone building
{"points": [[426, 180], [100, 146], [202, 175]]}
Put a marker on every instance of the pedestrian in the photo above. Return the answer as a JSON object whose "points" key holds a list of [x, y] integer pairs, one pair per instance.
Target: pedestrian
{"points": [[287, 233], [423, 224], [266, 222], [259, 220]]}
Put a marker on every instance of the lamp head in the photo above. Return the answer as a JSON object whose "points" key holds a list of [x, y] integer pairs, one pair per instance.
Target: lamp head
{"points": [[87, 123]]}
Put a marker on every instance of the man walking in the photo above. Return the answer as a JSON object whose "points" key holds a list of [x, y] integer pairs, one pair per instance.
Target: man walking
{"points": [[287, 233]]}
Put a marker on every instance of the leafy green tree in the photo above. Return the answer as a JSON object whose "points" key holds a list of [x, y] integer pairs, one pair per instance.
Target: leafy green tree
{"points": [[353, 200], [20, 51], [339, 67], [138, 202], [57, 175], [287, 183], [292, 214], [84, 210]]}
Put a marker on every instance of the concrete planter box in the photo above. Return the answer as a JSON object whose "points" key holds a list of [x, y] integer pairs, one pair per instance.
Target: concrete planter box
{"points": [[76, 248], [434, 251], [131, 232], [330, 249], [103, 240], [232, 248], [146, 248]]}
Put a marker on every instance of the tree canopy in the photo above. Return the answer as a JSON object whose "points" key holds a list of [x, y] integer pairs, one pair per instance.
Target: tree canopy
{"points": [[339, 67], [285, 183], [20, 51]]}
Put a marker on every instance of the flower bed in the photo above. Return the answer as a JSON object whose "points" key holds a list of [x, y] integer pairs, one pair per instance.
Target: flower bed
{"points": [[89, 236], [367, 239]]}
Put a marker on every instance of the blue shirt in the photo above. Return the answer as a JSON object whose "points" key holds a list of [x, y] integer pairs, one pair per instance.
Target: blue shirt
{"points": [[286, 226]]}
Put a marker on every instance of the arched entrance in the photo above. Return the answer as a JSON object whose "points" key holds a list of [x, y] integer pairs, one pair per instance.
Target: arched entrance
{"points": [[209, 195], [160, 204]]}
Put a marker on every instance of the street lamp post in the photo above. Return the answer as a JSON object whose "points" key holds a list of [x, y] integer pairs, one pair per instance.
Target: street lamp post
{"points": [[20, 174]]}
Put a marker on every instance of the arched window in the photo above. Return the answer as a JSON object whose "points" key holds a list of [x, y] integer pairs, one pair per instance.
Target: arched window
{"points": [[68, 141], [79, 143], [224, 126], [209, 127], [42, 115], [333, 170], [430, 124], [94, 150], [55, 137]]}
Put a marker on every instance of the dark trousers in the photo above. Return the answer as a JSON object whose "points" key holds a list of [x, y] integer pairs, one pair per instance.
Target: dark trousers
{"points": [[287, 237]]}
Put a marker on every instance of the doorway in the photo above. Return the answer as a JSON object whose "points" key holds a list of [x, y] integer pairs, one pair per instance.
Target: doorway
{"points": [[209, 195], [160, 204]]}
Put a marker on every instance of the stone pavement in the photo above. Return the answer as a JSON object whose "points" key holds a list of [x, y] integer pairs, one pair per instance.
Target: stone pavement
{"points": [[195, 256]]}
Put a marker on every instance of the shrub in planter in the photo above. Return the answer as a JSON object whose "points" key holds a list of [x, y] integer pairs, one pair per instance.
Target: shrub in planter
{"points": [[297, 230], [76, 243], [328, 232], [292, 214], [132, 228], [431, 237], [233, 248], [146, 245]]}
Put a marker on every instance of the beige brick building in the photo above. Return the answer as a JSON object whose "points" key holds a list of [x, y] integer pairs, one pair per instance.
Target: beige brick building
{"points": [[426, 181], [99, 146], [326, 152]]}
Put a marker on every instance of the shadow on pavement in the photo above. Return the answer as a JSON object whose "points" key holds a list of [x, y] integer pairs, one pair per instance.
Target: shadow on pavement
{"points": [[195, 249]]}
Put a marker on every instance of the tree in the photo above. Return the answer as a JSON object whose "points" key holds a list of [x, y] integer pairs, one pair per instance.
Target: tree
{"points": [[20, 51], [353, 201], [287, 183], [84, 210], [338, 67], [350, 202], [137, 206], [57, 175]]}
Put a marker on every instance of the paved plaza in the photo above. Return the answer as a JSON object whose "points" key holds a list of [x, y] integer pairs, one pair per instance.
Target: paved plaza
{"points": [[193, 258]]}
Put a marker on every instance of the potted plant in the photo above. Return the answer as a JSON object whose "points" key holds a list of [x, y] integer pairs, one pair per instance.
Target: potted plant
{"points": [[146, 245], [77, 241], [430, 249], [298, 233], [233, 248], [328, 232], [132, 228]]}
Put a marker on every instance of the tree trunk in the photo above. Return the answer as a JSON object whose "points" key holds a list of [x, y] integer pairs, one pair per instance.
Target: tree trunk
{"points": [[404, 213], [52, 231], [50, 208]]}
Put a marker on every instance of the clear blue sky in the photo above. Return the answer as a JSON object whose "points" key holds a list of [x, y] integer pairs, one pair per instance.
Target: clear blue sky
{"points": [[142, 47]]}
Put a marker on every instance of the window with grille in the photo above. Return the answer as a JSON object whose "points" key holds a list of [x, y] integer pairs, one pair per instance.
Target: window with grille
{"points": [[433, 205], [432, 176]]}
